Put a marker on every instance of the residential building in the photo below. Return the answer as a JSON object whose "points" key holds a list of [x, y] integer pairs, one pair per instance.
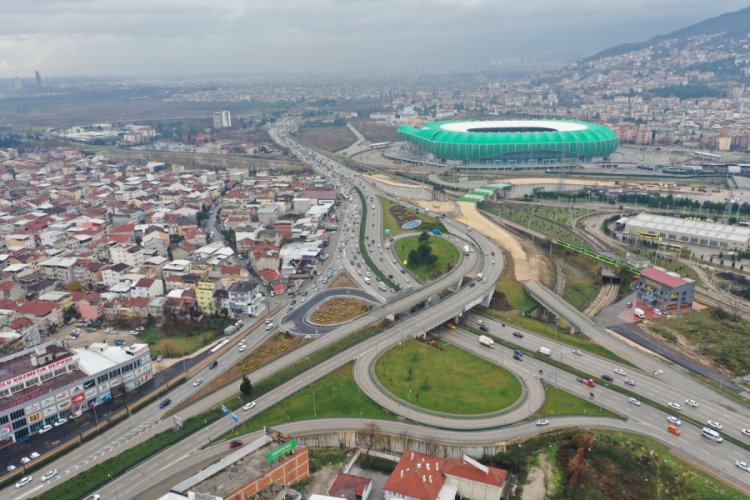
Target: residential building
{"points": [[222, 119], [204, 295], [666, 291], [245, 298], [132, 255]]}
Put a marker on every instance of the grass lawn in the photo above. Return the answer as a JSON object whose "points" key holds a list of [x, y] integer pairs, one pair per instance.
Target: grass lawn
{"points": [[448, 256], [444, 378], [711, 333], [335, 395], [393, 213], [181, 340], [552, 221], [515, 294], [582, 279], [559, 402]]}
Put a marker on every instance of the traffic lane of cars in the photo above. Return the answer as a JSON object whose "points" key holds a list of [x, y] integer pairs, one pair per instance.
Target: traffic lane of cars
{"points": [[649, 386]]}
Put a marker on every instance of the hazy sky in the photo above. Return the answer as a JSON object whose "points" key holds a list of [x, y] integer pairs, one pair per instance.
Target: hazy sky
{"points": [[204, 37]]}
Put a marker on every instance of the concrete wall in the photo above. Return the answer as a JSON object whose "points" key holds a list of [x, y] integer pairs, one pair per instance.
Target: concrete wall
{"points": [[397, 444]]}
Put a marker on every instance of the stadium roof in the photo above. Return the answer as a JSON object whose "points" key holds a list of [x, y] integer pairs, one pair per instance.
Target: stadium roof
{"points": [[499, 140]]}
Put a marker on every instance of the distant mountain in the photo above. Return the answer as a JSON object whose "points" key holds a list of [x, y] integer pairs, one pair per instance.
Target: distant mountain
{"points": [[731, 25]]}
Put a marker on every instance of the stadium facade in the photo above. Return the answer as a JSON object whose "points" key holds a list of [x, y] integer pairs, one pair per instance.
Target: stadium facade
{"points": [[512, 142]]}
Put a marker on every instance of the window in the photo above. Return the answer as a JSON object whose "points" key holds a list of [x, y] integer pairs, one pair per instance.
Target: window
{"points": [[101, 378], [18, 424], [17, 414], [4, 419], [23, 432]]}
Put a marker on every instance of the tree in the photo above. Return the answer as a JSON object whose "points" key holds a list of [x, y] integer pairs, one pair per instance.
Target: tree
{"points": [[74, 286], [431, 260], [415, 257], [69, 313], [370, 432], [246, 387], [424, 236], [424, 250]]}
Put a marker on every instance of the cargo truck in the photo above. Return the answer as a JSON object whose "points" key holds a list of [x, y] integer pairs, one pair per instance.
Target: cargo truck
{"points": [[545, 351], [486, 341]]}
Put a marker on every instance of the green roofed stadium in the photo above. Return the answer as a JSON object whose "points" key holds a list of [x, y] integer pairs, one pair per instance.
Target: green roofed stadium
{"points": [[512, 142]]}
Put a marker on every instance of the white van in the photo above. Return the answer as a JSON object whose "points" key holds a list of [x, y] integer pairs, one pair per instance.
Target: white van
{"points": [[712, 434]]}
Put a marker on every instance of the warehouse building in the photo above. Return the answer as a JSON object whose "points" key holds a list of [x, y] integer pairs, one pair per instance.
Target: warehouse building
{"points": [[665, 291], [687, 232], [48, 383]]}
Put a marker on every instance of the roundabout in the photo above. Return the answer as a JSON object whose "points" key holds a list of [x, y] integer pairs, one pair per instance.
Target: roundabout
{"points": [[299, 321]]}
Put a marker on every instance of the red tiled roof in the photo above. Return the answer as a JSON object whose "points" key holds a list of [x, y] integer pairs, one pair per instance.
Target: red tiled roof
{"points": [[279, 288], [144, 282], [269, 274], [662, 277], [120, 238], [21, 323], [349, 486], [134, 302], [123, 228], [460, 468], [37, 308], [412, 478]]}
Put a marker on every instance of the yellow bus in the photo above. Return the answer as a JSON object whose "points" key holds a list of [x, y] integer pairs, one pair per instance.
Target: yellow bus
{"points": [[649, 235]]}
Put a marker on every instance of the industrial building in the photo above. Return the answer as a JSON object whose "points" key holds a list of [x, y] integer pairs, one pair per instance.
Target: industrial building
{"points": [[47, 383], [222, 119], [675, 230], [665, 291]]}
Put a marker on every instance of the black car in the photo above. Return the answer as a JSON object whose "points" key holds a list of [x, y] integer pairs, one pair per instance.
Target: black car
{"points": [[518, 334], [484, 328], [608, 378], [213, 364], [165, 403]]}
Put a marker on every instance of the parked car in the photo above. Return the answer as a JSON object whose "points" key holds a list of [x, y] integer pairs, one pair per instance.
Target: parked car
{"points": [[11, 468], [60, 421], [46, 428], [34, 455]]}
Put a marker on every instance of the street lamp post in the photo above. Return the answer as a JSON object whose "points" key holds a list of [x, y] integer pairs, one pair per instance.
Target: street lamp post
{"points": [[315, 408]]}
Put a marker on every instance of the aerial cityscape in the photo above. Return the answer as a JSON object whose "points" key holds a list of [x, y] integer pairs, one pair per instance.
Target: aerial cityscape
{"points": [[374, 251]]}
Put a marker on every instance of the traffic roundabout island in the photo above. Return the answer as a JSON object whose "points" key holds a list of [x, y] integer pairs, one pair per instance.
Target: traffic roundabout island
{"points": [[319, 315], [440, 384], [441, 256], [512, 141]]}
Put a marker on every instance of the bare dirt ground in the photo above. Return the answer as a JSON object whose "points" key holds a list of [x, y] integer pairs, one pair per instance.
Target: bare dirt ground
{"points": [[343, 280], [539, 482], [388, 180], [338, 310], [323, 480], [443, 207], [328, 138], [526, 266]]}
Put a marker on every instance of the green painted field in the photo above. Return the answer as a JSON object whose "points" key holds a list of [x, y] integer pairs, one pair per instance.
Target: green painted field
{"points": [[448, 256], [444, 378]]}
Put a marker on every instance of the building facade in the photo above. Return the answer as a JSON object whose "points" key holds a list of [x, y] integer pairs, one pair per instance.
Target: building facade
{"points": [[665, 291]]}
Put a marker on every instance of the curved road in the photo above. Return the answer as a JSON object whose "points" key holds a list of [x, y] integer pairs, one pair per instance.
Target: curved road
{"points": [[298, 318]]}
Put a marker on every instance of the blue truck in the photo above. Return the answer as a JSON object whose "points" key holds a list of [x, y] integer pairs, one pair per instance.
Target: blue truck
{"points": [[436, 232]]}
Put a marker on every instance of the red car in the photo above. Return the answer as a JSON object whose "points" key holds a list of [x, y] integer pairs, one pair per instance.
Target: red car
{"points": [[589, 382], [236, 443]]}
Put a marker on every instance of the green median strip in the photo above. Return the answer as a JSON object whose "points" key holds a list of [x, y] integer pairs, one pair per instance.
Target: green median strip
{"points": [[363, 247], [91, 479], [605, 383]]}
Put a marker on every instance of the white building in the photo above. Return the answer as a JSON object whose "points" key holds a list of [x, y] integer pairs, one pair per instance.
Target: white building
{"points": [[685, 231], [222, 119]]}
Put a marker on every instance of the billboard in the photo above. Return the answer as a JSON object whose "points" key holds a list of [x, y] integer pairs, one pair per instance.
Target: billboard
{"points": [[6, 431], [282, 450]]}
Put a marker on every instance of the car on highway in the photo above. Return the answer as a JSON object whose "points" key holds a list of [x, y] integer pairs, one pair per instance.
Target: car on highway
{"points": [[197, 382], [484, 328], [746, 432], [630, 382], [608, 378], [691, 402], [634, 401], [542, 422], [236, 443], [44, 429], [213, 364], [242, 348], [589, 382], [518, 335], [24, 481], [620, 371], [451, 326], [49, 475], [249, 406], [165, 403], [674, 420], [577, 352], [674, 430], [714, 425], [742, 465], [675, 406]]}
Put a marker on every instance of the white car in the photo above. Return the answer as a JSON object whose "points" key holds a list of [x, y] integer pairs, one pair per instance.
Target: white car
{"points": [[620, 371], [11, 468], [691, 402], [746, 432], [630, 381], [44, 429], [742, 465], [49, 475], [249, 406], [25, 460], [34, 455], [243, 348], [634, 401], [714, 425], [675, 406], [658, 312], [577, 352], [59, 422], [674, 420], [23, 482], [197, 382], [542, 422]]}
